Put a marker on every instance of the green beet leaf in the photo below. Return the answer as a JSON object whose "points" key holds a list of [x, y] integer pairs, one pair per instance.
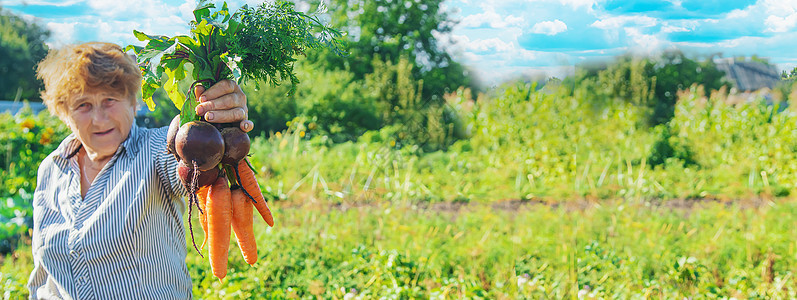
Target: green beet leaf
{"points": [[255, 43]]}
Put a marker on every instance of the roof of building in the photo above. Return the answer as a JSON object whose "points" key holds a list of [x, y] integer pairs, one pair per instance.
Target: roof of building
{"points": [[749, 76]]}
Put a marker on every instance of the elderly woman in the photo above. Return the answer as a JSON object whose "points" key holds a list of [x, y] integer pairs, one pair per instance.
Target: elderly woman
{"points": [[108, 206]]}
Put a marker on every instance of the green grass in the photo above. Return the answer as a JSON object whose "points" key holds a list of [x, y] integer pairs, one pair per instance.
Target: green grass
{"points": [[623, 250]]}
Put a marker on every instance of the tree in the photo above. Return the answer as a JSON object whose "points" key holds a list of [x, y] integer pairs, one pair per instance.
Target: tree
{"points": [[789, 75], [653, 82], [393, 30], [674, 71], [21, 48]]}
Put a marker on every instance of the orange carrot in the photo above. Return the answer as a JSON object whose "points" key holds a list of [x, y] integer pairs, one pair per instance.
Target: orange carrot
{"points": [[242, 225], [219, 210], [202, 196], [249, 182]]}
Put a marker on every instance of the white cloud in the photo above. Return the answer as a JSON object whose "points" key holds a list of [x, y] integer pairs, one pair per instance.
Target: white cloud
{"points": [[645, 43], [782, 15], [491, 18], [143, 9], [578, 3], [58, 3], [727, 45], [471, 57], [492, 44], [780, 7], [622, 21], [187, 10], [549, 27], [455, 38], [524, 55], [670, 28], [62, 33], [738, 14], [781, 24]]}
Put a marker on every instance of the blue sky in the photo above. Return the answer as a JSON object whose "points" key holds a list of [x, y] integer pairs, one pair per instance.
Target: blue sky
{"points": [[500, 39]]}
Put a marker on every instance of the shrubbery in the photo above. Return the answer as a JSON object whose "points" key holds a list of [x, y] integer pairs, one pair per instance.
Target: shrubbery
{"points": [[650, 82], [25, 140], [335, 104]]}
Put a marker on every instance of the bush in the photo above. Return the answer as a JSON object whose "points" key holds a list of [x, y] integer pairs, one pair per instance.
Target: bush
{"points": [[335, 104], [667, 147], [269, 108], [649, 82], [16, 217], [26, 139]]}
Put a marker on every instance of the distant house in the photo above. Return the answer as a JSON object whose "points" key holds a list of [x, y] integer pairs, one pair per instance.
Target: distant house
{"points": [[751, 80], [749, 76]]}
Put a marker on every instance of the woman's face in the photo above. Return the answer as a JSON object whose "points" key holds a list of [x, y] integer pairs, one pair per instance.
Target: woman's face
{"points": [[101, 121]]}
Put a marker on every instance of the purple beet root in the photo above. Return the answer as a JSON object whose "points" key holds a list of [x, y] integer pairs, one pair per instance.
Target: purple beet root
{"points": [[174, 126], [199, 144], [236, 145], [205, 178]]}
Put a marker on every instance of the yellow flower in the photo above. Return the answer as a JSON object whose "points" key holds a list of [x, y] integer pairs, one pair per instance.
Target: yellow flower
{"points": [[301, 133], [46, 137], [28, 124]]}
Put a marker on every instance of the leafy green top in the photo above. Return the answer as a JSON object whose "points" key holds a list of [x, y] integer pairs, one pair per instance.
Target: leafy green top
{"points": [[253, 43]]}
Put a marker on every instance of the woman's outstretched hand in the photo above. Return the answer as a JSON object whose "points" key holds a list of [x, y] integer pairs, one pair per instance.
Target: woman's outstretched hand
{"points": [[224, 102]]}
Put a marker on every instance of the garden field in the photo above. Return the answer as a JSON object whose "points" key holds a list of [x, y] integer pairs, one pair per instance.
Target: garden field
{"points": [[558, 200]]}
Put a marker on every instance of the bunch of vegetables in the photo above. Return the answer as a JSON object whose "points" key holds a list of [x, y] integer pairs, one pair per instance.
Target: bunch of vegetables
{"points": [[254, 43]]}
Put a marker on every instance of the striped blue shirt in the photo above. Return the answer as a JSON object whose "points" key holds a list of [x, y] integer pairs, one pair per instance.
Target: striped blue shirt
{"points": [[125, 239]]}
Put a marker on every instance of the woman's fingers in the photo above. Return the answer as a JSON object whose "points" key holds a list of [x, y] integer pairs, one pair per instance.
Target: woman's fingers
{"points": [[226, 116], [247, 126], [224, 109], [198, 90], [222, 88], [224, 102]]}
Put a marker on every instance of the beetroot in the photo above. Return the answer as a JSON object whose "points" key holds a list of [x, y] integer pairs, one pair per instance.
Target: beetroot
{"points": [[205, 178], [199, 144], [236, 145], [174, 126]]}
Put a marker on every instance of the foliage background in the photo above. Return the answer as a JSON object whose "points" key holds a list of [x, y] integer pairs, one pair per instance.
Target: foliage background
{"points": [[21, 48]]}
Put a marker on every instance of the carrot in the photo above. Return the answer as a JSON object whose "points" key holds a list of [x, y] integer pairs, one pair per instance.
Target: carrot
{"points": [[219, 210], [242, 226], [202, 196], [249, 183]]}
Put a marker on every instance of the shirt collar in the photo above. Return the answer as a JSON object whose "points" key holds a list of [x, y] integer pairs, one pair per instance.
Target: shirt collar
{"points": [[131, 144], [71, 144]]}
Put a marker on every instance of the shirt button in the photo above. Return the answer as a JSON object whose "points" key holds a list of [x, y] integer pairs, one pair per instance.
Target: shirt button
{"points": [[73, 253], [82, 279]]}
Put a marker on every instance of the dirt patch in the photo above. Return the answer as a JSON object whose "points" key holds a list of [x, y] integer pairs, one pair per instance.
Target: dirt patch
{"points": [[509, 205]]}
